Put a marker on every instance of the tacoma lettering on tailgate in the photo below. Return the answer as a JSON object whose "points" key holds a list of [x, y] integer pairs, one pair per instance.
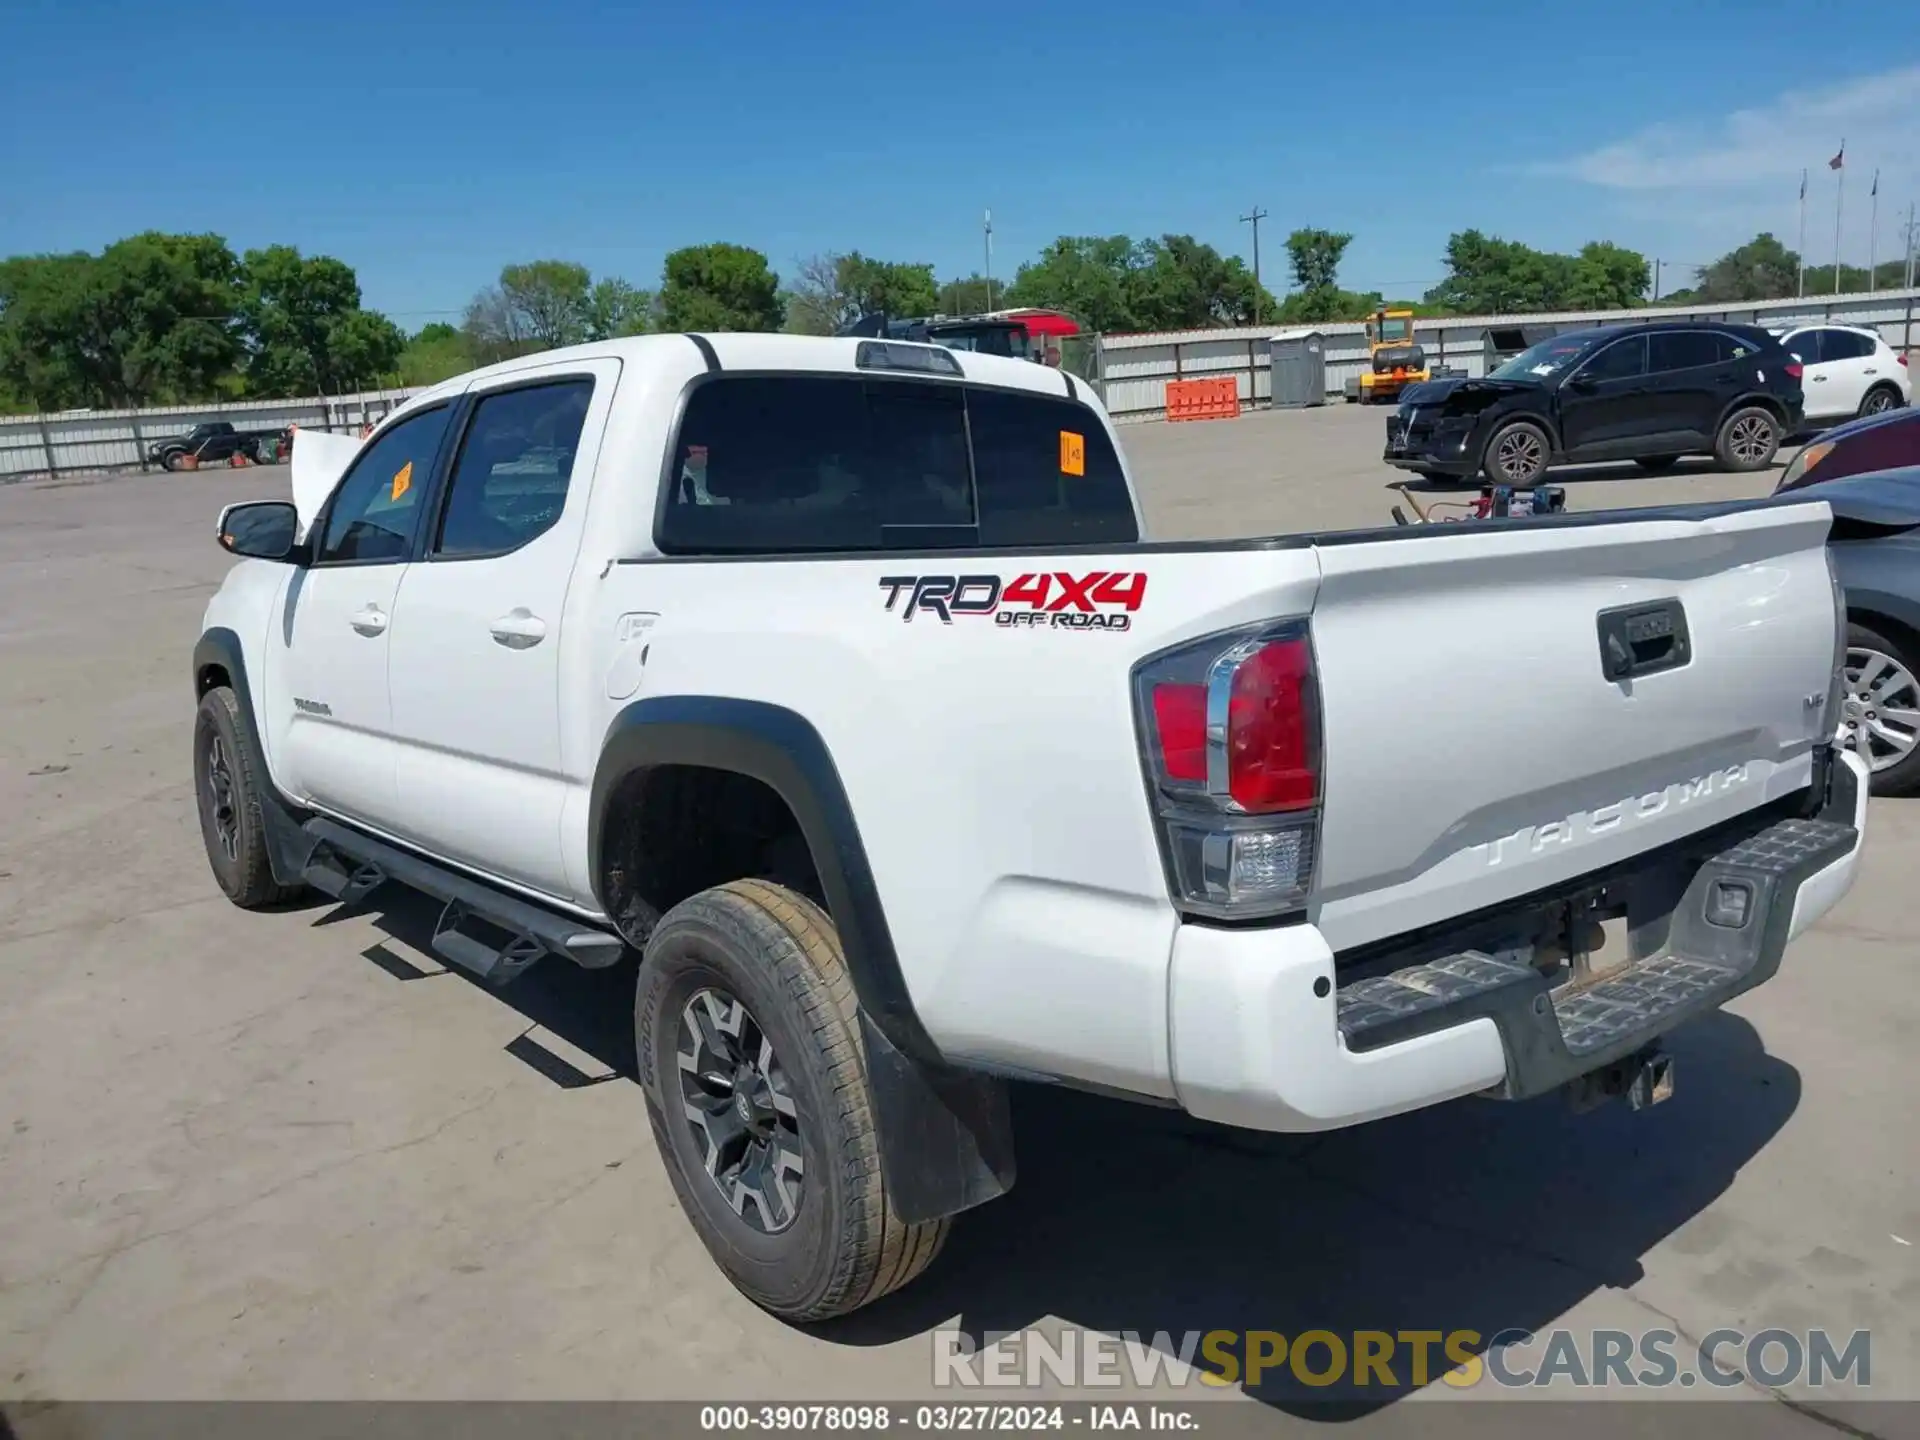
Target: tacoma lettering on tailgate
{"points": [[1054, 600], [1584, 824]]}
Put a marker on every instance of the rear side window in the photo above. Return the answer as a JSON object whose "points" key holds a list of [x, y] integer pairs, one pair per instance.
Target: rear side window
{"points": [[1681, 350], [510, 479], [1844, 345], [797, 463]]}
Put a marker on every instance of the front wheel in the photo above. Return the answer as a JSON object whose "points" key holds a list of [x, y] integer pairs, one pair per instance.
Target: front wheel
{"points": [[1517, 454], [1880, 709], [227, 779], [1747, 441], [758, 1094], [171, 460]]}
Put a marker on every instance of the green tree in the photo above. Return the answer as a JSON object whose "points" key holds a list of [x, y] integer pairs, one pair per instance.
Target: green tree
{"points": [[1314, 257], [719, 287], [148, 319], [304, 328], [970, 296], [615, 308], [1114, 284], [437, 352], [1490, 276], [831, 290], [552, 298], [1761, 269]]}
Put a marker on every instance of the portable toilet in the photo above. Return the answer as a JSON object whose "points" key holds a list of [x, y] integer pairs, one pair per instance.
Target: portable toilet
{"points": [[1299, 369]]}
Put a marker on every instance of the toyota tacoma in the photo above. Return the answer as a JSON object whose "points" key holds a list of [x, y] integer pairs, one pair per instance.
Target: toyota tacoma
{"points": [[838, 679]]}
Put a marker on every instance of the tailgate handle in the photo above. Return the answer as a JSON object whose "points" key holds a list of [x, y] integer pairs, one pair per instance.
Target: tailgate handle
{"points": [[1640, 640]]}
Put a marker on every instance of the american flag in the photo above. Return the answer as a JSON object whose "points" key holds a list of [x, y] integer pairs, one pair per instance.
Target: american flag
{"points": [[1839, 158]]}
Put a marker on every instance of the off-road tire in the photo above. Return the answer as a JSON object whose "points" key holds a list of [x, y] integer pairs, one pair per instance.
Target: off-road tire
{"points": [[246, 875], [779, 954], [1730, 448], [1493, 465]]}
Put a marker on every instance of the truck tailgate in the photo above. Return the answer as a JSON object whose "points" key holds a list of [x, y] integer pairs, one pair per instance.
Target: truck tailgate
{"points": [[1477, 746]]}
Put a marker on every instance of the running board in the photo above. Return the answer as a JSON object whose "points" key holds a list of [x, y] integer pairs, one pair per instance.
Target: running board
{"points": [[350, 866]]}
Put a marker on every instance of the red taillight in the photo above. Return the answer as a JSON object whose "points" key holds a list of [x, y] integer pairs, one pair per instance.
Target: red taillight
{"points": [[1793, 369], [1270, 765], [1901, 358], [1180, 724], [1230, 731]]}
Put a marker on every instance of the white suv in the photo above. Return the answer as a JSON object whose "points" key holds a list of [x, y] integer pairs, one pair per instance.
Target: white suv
{"points": [[1850, 371]]}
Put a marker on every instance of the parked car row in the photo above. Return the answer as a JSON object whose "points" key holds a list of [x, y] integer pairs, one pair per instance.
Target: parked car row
{"points": [[1650, 393]]}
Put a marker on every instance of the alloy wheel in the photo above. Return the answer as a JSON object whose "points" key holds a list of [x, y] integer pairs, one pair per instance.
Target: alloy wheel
{"points": [[219, 798], [1878, 403], [1879, 708], [736, 1098], [1520, 455], [1752, 436]]}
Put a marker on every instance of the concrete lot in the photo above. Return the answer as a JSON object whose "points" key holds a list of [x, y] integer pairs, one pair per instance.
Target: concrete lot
{"points": [[289, 1156]]}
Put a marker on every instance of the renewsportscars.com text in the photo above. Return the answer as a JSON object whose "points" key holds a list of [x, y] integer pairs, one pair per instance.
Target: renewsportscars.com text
{"points": [[1404, 1359]]}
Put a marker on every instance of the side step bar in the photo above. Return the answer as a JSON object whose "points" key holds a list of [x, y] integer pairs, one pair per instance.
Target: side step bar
{"points": [[350, 866]]}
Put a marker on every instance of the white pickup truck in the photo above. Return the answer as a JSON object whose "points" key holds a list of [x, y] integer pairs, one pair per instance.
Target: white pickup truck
{"points": [[837, 678]]}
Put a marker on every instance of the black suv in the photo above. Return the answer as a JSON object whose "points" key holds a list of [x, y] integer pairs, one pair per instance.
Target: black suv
{"points": [[1649, 393]]}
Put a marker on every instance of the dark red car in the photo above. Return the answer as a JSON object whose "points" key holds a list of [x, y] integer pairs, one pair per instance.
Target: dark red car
{"points": [[1885, 441]]}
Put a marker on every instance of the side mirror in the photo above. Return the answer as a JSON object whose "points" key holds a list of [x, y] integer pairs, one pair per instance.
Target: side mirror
{"points": [[262, 530], [1584, 384]]}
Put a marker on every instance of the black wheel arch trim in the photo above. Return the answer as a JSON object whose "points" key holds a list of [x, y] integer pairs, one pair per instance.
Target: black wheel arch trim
{"points": [[946, 1132]]}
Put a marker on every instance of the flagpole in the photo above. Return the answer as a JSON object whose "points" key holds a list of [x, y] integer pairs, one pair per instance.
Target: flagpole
{"points": [[1873, 234], [1839, 199], [1802, 291]]}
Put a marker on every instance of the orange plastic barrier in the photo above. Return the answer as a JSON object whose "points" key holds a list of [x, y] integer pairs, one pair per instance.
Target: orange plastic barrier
{"points": [[1217, 398]]}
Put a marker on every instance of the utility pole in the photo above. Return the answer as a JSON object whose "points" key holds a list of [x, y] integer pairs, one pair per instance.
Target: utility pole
{"points": [[1656, 280], [1910, 240], [987, 229], [1254, 220]]}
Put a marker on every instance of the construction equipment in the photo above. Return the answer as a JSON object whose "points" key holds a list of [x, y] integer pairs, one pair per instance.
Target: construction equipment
{"points": [[1394, 360]]}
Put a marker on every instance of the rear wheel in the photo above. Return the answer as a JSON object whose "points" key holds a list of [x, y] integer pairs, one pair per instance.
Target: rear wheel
{"points": [[760, 1101], [1517, 454], [1879, 400], [1748, 440], [1655, 462], [1880, 709]]}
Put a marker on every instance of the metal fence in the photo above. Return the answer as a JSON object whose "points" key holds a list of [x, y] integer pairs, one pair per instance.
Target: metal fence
{"points": [[119, 439], [1135, 369]]}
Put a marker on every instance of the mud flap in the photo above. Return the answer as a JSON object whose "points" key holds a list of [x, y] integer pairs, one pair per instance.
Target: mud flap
{"points": [[946, 1136]]}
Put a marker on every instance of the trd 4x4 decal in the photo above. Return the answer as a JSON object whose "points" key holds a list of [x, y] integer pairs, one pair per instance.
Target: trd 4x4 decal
{"points": [[1057, 600]]}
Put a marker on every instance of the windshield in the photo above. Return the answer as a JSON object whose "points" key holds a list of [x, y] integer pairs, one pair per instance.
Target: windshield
{"points": [[1392, 332], [1543, 359]]}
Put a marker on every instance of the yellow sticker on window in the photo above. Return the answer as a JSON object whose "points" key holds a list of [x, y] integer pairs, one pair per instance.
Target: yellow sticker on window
{"points": [[1073, 453], [402, 480]]}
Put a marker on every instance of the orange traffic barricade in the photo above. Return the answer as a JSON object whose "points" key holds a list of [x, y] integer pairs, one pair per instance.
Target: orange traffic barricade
{"points": [[1215, 398]]}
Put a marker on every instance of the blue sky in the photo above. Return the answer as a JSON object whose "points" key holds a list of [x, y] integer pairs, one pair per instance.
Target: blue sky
{"points": [[428, 144]]}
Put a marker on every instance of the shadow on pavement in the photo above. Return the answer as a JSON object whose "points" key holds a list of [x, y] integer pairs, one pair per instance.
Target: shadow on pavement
{"points": [[1689, 467], [1128, 1220]]}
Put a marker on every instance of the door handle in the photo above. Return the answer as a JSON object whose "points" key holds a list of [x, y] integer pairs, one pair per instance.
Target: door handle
{"points": [[369, 620], [519, 629]]}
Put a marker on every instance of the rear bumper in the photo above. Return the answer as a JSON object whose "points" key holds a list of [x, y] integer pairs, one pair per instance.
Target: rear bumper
{"points": [[1267, 1036]]}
